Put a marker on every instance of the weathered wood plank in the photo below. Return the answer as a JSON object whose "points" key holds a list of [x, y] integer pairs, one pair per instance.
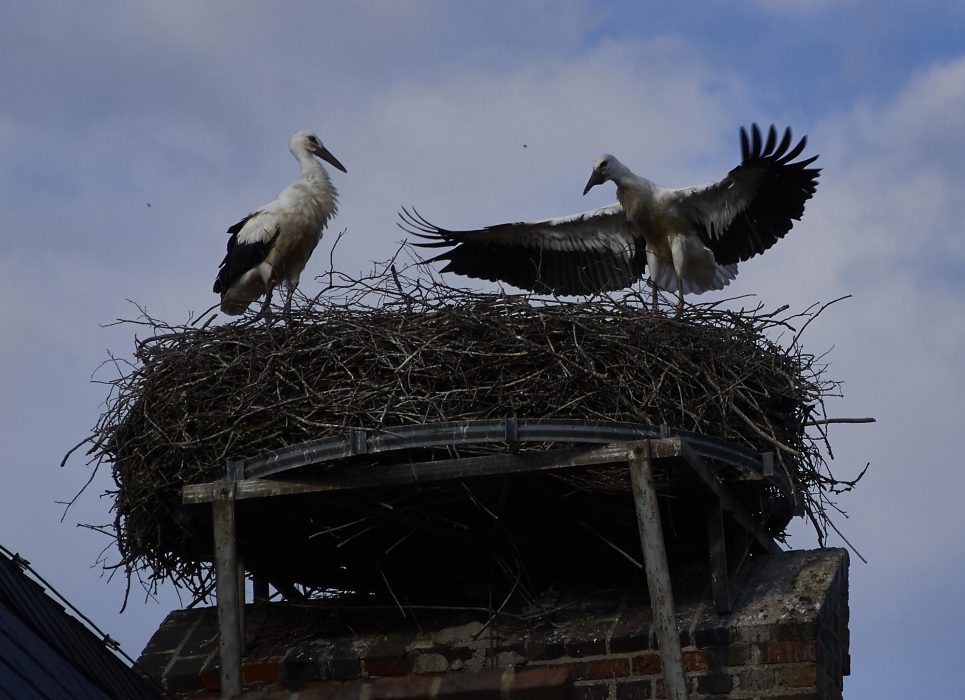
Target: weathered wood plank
{"points": [[227, 583], [655, 564], [337, 479], [719, 582]]}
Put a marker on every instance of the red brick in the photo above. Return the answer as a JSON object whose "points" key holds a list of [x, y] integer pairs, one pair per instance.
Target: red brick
{"points": [[387, 666], [788, 652], [660, 687], [211, 679], [646, 665], [634, 690], [592, 691], [715, 684], [696, 660], [261, 671], [600, 668], [540, 683], [735, 655], [798, 675], [471, 686], [344, 668]]}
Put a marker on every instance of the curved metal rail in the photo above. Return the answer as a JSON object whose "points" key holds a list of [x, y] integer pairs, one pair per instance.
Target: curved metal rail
{"points": [[488, 431]]}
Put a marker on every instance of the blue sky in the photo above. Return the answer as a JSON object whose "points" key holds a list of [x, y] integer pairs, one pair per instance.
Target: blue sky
{"points": [[108, 107]]}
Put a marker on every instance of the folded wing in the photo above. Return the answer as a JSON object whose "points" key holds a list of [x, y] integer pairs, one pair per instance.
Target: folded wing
{"points": [[250, 242]]}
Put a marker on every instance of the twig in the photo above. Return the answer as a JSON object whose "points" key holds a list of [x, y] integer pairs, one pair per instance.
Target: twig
{"points": [[828, 421]]}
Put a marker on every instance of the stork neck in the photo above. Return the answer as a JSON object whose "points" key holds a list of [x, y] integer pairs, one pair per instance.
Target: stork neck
{"points": [[313, 172], [619, 173], [316, 181], [310, 167], [627, 181]]}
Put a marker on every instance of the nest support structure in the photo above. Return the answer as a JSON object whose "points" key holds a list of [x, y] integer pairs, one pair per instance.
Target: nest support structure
{"points": [[513, 521]]}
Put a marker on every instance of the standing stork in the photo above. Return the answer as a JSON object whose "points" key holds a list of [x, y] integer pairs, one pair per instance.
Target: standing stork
{"points": [[273, 243], [691, 238]]}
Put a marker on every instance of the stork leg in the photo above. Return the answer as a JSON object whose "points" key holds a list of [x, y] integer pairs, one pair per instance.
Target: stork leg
{"points": [[680, 299], [288, 301], [266, 306], [653, 263]]}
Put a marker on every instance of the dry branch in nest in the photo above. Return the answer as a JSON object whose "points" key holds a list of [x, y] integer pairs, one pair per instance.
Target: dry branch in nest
{"points": [[391, 349]]}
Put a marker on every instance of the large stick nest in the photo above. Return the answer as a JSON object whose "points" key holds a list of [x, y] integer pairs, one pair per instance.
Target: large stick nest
{"points": [[391, 349]]}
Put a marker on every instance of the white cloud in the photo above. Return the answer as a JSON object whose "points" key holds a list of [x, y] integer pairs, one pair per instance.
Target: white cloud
{"points": [[885, 226]]}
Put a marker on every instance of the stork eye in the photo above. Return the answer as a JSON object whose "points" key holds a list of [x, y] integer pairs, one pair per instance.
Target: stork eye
{"points": [[604, 164]]}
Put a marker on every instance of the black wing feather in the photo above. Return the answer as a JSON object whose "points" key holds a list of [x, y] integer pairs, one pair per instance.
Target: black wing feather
{"points": [[490, 254], [782, 189], [241, 257], [236, 229], [771, 138]]}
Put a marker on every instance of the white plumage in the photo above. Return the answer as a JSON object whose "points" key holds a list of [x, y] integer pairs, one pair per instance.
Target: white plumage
{"points": [[690, 238], [273, 243]]}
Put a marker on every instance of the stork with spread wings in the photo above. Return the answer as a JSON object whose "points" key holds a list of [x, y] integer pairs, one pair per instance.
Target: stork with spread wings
{"points": [[690, 238]]}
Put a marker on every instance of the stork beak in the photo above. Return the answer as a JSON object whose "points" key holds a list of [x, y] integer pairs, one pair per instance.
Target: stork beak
{"points": [[327, 156], [595, 179]]}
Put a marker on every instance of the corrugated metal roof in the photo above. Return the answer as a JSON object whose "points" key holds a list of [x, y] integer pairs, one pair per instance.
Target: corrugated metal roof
{"points": [[47, 653]]}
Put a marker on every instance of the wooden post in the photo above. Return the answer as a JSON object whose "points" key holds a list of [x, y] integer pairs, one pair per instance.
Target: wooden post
{"points": [[720, 585], [227, 582], [658, 573]]}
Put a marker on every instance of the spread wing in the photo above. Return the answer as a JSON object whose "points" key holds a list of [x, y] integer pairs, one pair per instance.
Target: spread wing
{"points": [[584, 253], [756, 204]]}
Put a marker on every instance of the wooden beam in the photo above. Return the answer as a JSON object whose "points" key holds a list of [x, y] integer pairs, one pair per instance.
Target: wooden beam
{"points": [[655, 564], [727, 500], [226, 582], [342, 478], [719, 582]]}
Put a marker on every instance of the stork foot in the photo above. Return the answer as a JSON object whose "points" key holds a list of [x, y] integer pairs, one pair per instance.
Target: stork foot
{"points": [[288, 305], [266, 312]]}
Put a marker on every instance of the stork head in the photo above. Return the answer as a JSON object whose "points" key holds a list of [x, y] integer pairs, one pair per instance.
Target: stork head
{"points": [[604, 168], [306, 141]]}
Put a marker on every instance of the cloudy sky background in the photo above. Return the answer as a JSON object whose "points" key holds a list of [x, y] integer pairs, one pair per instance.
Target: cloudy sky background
{"points": [[187, 107]]}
